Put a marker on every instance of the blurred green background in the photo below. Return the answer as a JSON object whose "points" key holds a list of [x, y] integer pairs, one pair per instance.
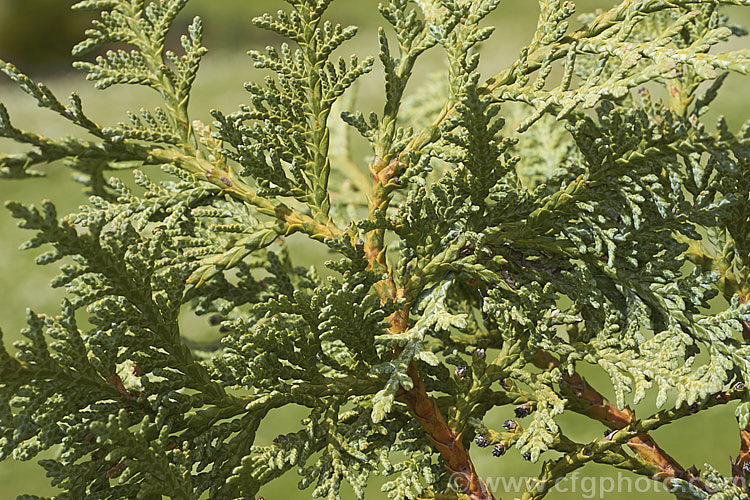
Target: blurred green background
{"points": [[37, 36]]}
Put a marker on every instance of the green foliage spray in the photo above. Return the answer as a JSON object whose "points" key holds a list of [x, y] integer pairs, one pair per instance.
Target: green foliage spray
{"points": [[573, 209]]}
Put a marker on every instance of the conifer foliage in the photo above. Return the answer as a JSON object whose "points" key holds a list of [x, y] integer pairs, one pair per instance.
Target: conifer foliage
{"points": [[573, 209]]}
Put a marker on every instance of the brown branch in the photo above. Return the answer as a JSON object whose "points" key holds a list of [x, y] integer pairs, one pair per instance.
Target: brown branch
{"points": [[425, 410], [593, 404], [741, 465], [421, 405]]}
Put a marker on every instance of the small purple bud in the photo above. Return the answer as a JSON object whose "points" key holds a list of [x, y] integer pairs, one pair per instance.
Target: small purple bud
{"points": [[510, 425], [523, 411], [498, 450], [481, 441]]}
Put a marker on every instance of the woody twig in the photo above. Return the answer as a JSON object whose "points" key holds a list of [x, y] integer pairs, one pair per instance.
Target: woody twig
{"points": [[590, 402]]}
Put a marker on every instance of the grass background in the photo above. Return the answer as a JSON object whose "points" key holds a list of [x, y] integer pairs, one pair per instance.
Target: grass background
{"points": [[707, 437]]}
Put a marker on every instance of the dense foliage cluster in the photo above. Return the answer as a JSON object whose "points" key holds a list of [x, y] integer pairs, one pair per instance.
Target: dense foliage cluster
{"points": [[571, 209]]}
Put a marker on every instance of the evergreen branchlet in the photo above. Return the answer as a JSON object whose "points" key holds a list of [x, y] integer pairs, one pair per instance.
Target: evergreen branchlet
{"points": [[573, 209]]}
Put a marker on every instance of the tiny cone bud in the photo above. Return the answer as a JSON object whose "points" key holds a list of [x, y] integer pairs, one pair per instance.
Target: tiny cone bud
{"points": [[523, 411], [481, 441], [498, 450]]}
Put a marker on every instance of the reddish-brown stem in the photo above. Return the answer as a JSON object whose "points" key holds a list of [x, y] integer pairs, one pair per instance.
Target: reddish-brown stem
{"points": [[741, 466], [742, 463], [423, 407], [446, 440], [593, 404]]}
